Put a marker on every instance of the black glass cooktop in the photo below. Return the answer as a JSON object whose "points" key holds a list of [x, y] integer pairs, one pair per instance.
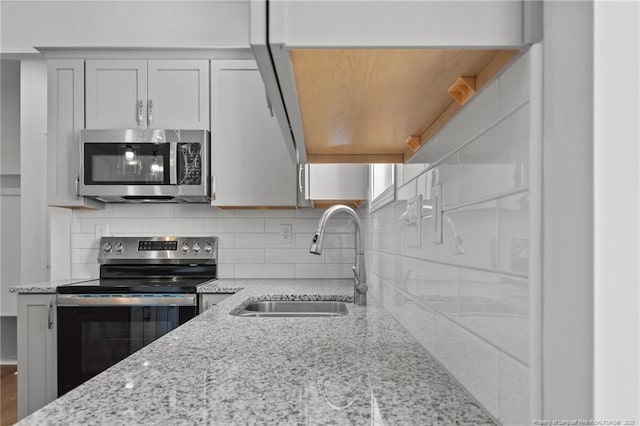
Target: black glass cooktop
{"points": [[153, 285]]}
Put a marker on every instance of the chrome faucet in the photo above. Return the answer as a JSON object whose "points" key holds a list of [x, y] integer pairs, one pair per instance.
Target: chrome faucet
{"points": [[359, 279]]}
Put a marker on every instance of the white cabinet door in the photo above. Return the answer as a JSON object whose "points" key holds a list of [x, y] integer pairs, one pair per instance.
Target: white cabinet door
{"points": [[178, 95], [37, 352], [251, 165], [65, 118], [116, 94]]}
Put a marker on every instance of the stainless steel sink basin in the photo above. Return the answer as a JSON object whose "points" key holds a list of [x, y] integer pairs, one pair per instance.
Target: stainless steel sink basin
{"points": [[282, 308]]}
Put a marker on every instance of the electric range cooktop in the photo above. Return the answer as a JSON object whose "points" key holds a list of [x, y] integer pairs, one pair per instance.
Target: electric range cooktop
{"points": [[131, 265]]}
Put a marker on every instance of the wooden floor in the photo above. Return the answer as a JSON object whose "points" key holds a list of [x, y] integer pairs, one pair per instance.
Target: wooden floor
{"points": [[8, 395]]}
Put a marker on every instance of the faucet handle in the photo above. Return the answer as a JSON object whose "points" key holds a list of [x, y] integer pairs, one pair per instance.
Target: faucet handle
{"points": [[353, 268], [360, 288]]}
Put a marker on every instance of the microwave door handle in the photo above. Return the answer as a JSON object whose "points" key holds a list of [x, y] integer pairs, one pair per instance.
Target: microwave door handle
{"points": [[173, 163]]}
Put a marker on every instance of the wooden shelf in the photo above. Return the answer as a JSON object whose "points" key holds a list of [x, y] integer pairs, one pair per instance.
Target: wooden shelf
{"points": [[361, 105]]}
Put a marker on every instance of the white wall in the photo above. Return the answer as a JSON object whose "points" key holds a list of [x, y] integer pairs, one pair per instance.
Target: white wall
{"points": [[467, 302], [616, 210], [249, 240], [26, 24]]}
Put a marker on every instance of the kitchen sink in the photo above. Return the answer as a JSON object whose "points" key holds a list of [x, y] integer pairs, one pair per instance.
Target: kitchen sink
{"points": [[298, 308]]}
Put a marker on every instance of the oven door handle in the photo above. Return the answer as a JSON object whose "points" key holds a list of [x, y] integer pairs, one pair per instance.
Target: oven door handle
{"points": [[173, 163], [74, 300]]}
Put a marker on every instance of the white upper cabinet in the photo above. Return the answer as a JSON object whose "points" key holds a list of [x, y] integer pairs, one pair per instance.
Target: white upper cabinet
{"points": [[250, 162], [116, 94], [169, 94], [387, 76], [65, 118], [178, 94]]}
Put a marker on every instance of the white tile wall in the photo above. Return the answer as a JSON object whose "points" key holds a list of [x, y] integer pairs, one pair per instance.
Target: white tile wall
{"points": [[467, 299], [250, 245]]}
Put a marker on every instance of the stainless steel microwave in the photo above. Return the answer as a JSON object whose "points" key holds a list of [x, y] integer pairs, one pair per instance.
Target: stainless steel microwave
{"points": [[145, 165]]}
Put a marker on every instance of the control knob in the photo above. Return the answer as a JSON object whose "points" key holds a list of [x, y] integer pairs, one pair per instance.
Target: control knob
{"points": [[196, 247], [119, 247], [208, 248], [185, 247], [106, 247]]}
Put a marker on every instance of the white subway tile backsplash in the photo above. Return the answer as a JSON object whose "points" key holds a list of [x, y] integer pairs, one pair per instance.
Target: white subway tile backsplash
{"points": [[200, 210], [224, 240], [342, 255], [303, 270], [233, 255], [173, 226], [477, 115], [84, 241], [225, 270], [496, 307], [309, 213], [233, 225], [116, 225], [293, 255], [513, 217], [88, 256], [260, 241], [85, 270], [498, 160], [242, 240], [446, 174], [76, 255], [470, 236], [514, 392], [436, 286], [264, 270], [407, 191], [467, 298], [285, 213], [411, 171], [142, 210], [470, 360], [331, 241], [309, 225]]}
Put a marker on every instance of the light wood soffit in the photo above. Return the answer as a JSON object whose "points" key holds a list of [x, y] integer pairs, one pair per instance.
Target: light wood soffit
{"points": [[367, 102]]}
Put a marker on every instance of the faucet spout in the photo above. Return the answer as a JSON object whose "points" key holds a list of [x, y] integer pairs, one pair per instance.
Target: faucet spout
{"points": [[359, 281]]}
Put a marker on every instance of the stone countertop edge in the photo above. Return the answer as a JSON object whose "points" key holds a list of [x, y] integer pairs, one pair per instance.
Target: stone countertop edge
{"points": [[44, 287], [223, 369]]}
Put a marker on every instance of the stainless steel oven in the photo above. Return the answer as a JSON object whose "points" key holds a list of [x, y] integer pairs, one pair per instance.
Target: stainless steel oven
{"points": [[147, 287], [145, 165]]}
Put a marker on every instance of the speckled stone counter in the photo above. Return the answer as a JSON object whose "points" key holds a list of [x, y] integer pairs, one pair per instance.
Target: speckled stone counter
{"points": [[44, 287], [219, 369]]}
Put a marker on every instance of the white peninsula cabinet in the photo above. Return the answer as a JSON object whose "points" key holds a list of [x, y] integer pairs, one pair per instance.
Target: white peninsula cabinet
{"points": [[37, 352], [133, 93], [251, 165], [209, 300]]}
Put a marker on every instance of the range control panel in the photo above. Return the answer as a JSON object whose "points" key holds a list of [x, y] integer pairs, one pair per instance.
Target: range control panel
{"points": [[200, 250]]}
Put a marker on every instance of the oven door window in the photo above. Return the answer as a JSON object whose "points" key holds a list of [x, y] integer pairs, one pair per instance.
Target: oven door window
{"points": [[127, 164], [90, 340]]}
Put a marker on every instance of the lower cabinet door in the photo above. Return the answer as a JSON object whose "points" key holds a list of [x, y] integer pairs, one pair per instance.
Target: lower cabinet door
{"points": [[37, 352]]}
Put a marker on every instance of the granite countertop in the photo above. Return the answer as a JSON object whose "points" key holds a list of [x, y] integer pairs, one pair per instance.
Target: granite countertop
{"points": [[44, 287], [222, 369]]}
